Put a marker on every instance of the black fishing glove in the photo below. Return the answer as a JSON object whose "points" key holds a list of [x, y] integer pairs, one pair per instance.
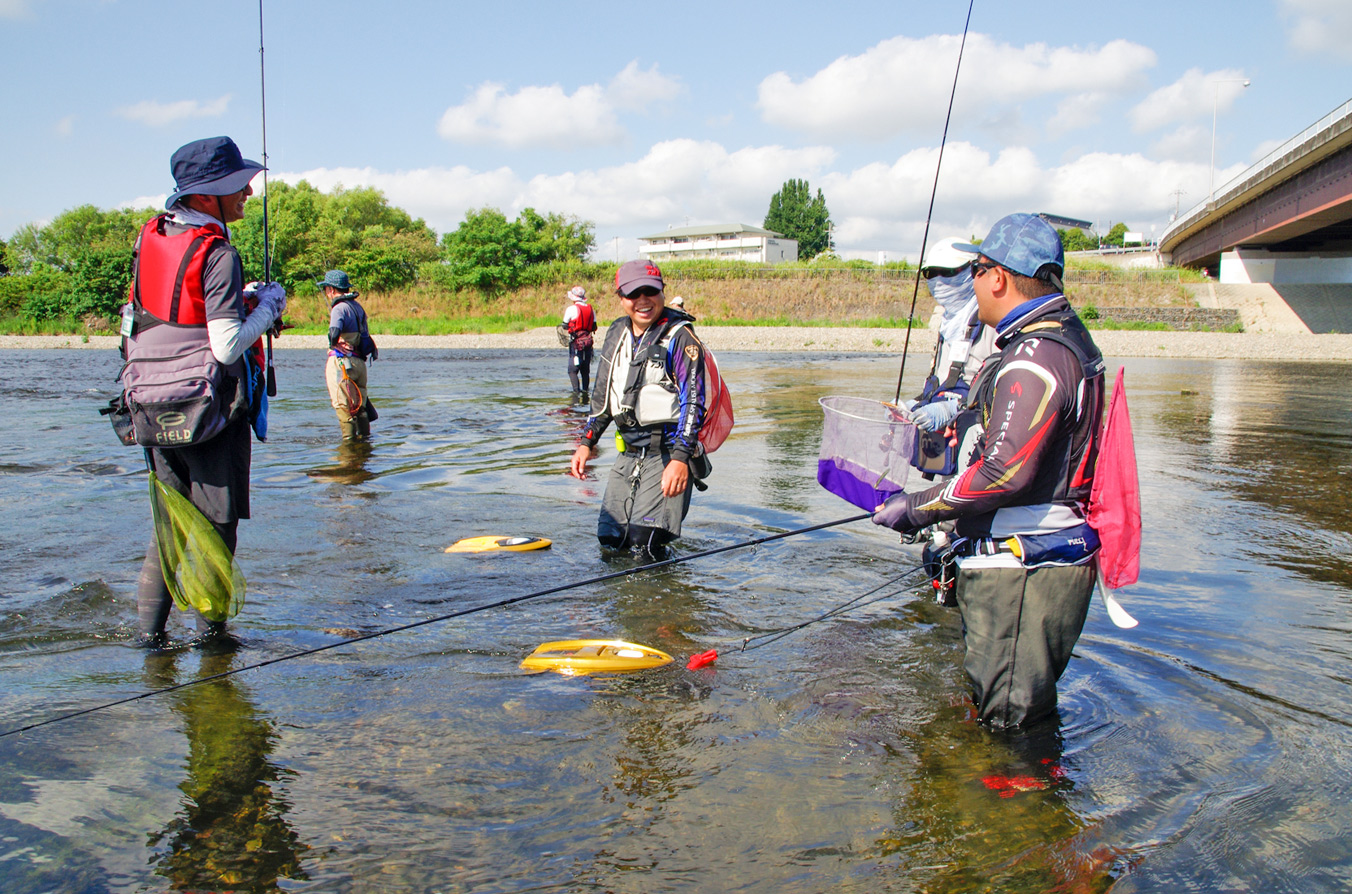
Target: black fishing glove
{"points": [[894, 514]]}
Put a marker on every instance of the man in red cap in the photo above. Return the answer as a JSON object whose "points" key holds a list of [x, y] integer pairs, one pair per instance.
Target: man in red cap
{"points": [[188, 300], [651, 383]]}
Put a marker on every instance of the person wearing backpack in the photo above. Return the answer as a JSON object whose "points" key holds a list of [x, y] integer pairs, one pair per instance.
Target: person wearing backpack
{"points": [[579, 320], [187, 300], [350, 348], [652, 382], [1026, 570]]}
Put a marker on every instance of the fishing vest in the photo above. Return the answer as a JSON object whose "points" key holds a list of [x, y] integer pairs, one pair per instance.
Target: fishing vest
{"points": [[585, 321], [364, 345], [167, 274], [1073, 459], [177, 393]]}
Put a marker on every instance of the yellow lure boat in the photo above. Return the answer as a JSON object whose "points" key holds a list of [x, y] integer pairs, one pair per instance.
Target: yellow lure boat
{"points": [[575, 657], [496, 542]]}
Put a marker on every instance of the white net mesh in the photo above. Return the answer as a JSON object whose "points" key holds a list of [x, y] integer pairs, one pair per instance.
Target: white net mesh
{"points": [[866, 450]]}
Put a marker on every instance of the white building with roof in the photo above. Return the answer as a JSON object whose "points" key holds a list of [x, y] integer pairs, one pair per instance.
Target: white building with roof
{"points": [[722, 242]]}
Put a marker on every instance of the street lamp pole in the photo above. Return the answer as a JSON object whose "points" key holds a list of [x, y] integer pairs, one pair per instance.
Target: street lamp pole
{"points": [[1215, 104]]}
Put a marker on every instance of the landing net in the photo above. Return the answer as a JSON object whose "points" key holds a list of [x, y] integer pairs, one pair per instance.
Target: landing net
{"points": [[866, 450]]}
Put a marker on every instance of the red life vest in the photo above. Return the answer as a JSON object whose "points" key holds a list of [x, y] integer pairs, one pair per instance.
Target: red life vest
{"points": [[585, 321], [167, 280]]}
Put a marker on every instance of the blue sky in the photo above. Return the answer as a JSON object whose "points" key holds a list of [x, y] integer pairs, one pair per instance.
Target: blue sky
{"points": [[639, 117]]}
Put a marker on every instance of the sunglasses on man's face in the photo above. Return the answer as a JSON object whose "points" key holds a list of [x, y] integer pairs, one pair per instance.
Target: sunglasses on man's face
{"points": [[645, 292], [979, 268]]}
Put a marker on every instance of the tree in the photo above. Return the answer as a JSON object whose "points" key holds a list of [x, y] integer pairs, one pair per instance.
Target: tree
{"points": [[489, 252], [1114, 237], [3, 267], [1076, 239], [795, 213], [311, 232]]}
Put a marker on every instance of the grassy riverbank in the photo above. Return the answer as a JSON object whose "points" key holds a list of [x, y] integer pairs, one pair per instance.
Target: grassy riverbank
{"points": [[791, 295]]}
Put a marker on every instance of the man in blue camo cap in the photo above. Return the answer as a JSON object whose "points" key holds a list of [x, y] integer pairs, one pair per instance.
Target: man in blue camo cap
{"points": [[1024, 553]]}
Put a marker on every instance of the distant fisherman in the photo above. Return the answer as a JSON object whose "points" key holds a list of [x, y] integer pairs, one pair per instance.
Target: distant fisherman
{"points": [[651, 382], [350, 347], [189, 285], [579, 320]]}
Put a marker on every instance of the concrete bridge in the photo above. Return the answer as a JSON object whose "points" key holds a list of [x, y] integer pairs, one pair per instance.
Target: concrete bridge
{"points": [[1280, 234]]}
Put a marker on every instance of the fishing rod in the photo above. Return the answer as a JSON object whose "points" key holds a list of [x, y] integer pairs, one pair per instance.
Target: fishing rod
{"points": [[924, 239], [457, 614], [267, 257], [764, 639]]}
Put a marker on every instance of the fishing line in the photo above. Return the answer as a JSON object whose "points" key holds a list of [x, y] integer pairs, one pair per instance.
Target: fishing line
{"points": [[764, 639], [267, 255], [924, 240], [458, 614]]}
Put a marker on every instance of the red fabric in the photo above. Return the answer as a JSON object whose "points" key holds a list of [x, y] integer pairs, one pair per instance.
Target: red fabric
{"points": [[1115, 499], [159, 257], [585, 321], [717, 409]]}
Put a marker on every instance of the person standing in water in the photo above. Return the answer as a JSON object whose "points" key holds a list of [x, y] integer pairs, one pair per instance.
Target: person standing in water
{"points": [[188, 289], [651, 383], [1025, 570], [580, 320], [350, 347]]}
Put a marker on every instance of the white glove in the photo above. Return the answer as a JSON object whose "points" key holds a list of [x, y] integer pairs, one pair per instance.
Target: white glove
{"points": [[274, 294], [936, 416]]}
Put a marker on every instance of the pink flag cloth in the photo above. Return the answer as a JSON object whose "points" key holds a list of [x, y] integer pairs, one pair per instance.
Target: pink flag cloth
{"points": [[1115, 498]]}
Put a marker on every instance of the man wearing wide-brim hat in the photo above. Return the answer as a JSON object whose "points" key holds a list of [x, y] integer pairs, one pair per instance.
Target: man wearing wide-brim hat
{"points": [[188, 275], [350, 347]]}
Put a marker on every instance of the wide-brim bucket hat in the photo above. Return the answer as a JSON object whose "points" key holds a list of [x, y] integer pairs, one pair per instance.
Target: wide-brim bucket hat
{"points": [[336, 278], [210, 167]]}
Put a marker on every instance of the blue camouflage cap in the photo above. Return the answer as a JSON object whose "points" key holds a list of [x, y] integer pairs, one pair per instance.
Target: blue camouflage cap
{"points": [[1024, 243]]}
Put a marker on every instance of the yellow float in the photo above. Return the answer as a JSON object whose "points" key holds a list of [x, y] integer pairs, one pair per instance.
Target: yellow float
{"points": [[575, 657]]}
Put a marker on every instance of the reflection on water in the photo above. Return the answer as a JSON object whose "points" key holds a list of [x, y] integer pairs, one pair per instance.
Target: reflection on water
{"points": [[1205, 750], [232, 827]]}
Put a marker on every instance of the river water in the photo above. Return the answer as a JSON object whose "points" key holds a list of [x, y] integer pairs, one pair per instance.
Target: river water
{"points": [[1205, 750]]}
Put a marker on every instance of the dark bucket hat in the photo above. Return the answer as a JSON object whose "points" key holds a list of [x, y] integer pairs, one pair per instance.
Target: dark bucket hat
{"points": [[336, 278], [210, 167]]}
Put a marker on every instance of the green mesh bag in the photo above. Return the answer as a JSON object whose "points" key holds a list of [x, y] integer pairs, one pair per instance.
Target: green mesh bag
{"points": [[198, 568]]}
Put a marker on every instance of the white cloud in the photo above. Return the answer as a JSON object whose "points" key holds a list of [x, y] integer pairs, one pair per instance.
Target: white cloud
{"points": [[634, 90], [533, 116], [549, 117], [674, 180], [160, 114], [1195, 95], [66, 126], [1185, 142], [878, 206], [1320, 26], [15, 9], [1075, 112], [904, 84]]}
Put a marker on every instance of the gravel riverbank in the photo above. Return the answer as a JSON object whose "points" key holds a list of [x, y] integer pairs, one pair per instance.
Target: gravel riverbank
{"points": [[796, 339]]}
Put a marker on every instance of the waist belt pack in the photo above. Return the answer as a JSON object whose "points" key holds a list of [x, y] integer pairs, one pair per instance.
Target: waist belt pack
{"points": [[1070, 546], [176, 392]]}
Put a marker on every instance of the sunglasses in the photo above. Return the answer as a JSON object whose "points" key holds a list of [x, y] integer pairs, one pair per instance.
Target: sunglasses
{"points": [[978, 268], [931, 272], [645, 292]]}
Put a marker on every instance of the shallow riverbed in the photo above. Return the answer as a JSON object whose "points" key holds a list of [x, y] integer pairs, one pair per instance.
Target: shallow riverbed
{"points": [[1205, 750]]}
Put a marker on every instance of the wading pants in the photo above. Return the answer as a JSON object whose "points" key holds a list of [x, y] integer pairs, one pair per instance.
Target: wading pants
{"points": [[355, 424], [1019, 627]]}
